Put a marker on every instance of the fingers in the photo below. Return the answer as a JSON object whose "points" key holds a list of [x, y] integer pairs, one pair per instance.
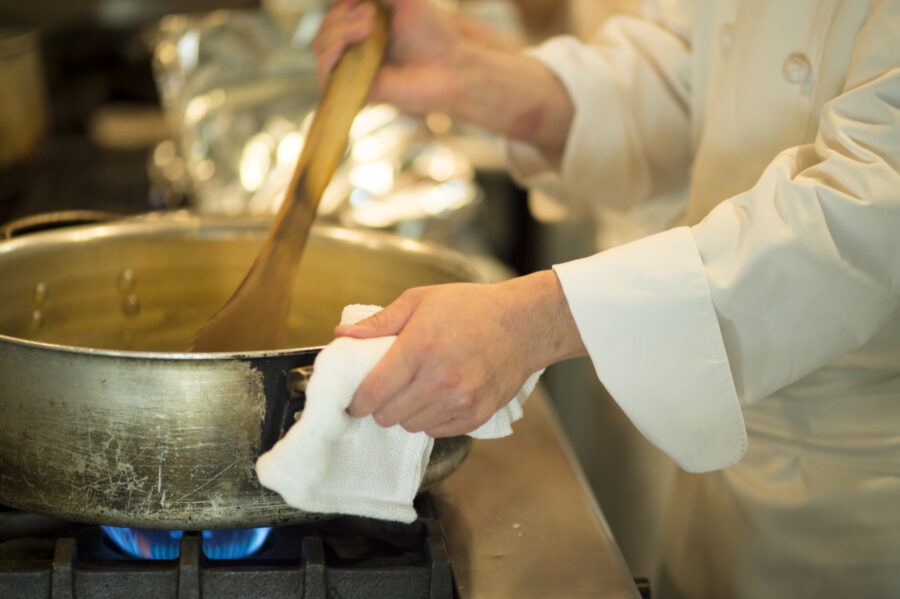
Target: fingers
{"points": [[394, 371], [397, 367], [348, 22], [389, 321], [437, 400], [405, 406], [434, 418], [444, 418], [342, 13], [455, 359], [452, 428], [431, 398]]}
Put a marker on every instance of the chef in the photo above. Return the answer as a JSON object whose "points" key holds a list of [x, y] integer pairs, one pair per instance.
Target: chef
{"points": [[756, 341]]}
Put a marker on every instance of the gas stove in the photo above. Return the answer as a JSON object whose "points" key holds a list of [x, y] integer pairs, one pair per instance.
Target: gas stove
{"points": [[344, 557], [515, 520]]}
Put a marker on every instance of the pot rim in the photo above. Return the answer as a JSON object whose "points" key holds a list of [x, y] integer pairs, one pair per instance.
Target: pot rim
{"points": [[184, 221], [159, 356]]}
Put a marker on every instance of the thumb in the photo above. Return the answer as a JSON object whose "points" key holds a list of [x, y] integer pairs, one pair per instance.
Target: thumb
{"points": [[388, 321]]}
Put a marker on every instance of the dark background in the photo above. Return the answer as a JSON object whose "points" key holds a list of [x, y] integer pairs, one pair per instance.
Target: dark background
{"points": [[94, 54]]}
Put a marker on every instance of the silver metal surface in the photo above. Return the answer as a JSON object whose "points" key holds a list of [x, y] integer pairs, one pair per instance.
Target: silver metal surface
{"points": [[521, 523], [297, 379], [104, 417]]}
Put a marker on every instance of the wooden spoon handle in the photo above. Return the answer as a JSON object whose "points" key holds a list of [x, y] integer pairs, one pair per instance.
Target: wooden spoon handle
{"points": [[344, 96], [256, 316]]}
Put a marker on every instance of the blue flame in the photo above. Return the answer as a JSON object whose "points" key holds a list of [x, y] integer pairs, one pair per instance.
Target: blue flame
{"points": [[146, 544], [233, 544], [166, 544]]}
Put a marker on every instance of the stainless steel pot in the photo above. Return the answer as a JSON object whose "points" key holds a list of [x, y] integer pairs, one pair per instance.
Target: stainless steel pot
{"points": [[104, 419]]}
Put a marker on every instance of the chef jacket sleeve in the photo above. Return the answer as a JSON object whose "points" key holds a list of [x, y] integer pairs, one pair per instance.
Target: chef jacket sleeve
{"points": [[774, 283], [637, 73], [805, 266]]}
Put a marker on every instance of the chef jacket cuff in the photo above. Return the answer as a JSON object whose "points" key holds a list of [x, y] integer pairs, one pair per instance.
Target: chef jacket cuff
{"points": [[646, 316], [589, 82]]}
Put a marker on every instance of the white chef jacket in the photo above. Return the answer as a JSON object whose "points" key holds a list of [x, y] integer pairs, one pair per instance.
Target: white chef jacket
{"points": [[773, 313]]}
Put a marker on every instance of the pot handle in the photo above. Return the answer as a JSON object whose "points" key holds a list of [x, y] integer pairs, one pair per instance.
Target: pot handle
{"points": [[286, 410], [296, 381], [55, 220]]}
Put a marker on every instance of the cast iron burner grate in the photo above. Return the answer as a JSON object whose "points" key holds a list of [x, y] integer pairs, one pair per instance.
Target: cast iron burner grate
{"points": [[340, 558]]}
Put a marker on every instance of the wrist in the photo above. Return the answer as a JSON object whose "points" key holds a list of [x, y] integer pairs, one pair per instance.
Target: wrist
{"points": [[544, 319]]}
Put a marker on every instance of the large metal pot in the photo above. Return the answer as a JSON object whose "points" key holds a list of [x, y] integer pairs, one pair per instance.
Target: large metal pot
{"points": [[104, 419]]}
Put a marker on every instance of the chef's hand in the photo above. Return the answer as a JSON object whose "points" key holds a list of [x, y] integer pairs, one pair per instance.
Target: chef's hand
{"points": [[419, 71], [438, 61], [463, 350]]}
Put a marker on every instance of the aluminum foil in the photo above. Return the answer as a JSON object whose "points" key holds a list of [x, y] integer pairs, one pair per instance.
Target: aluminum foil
{"points": [[238, 91]]}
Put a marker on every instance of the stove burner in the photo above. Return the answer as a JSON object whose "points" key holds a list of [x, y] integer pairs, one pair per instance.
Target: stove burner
{"points": [[147, 544], [345, 557], [233, 544], [164, 544]]}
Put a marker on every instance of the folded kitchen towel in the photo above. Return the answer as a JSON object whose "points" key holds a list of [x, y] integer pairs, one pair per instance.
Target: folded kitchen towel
{"points": [[330, 462]]}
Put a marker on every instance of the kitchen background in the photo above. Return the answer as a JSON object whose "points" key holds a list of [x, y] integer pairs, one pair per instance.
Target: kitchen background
{"points": [[111, 106]]}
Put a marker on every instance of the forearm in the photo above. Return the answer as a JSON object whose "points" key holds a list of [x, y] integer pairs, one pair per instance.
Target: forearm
{"points": [[630, 137], [513, 95]]}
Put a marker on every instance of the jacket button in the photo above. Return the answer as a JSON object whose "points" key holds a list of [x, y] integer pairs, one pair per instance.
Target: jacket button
{"points": [[796, 68]]}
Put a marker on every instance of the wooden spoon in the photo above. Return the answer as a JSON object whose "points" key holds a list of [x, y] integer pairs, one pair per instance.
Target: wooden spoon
{"points": [[256, 316]]}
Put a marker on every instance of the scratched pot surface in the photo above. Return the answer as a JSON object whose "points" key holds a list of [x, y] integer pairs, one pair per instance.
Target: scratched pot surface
{"points": [[107, 420]]}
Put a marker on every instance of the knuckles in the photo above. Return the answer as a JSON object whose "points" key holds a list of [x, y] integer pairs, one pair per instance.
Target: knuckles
{"points": [[465, 405], [449, 380]]}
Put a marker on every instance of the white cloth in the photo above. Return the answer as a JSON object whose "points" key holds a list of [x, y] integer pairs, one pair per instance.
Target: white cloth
{"points": [[783, 296], [330, 462]]}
